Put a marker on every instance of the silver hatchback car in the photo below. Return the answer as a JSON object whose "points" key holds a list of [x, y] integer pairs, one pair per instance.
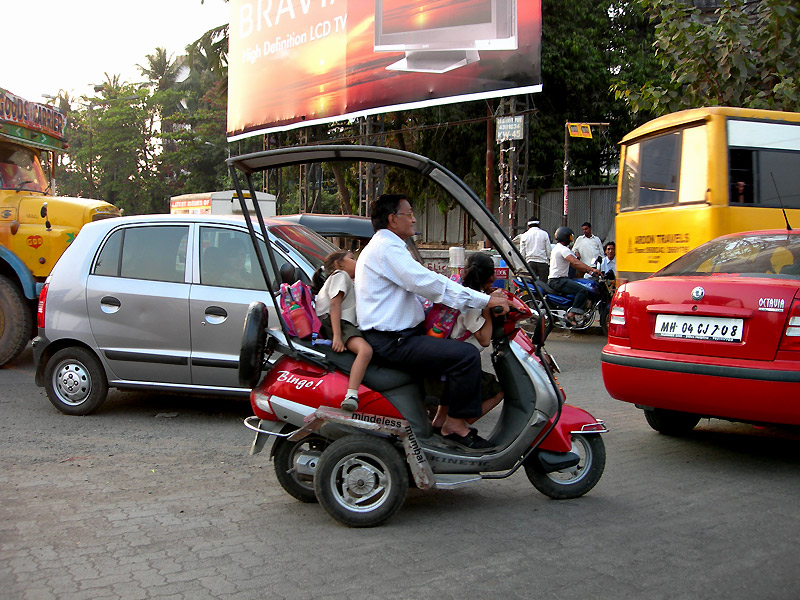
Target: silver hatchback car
{"points": [[158, 302]]}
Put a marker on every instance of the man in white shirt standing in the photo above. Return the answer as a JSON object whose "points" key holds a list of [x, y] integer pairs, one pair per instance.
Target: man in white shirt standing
{"points": [[587, 247], [534, 245], [390, 286]]}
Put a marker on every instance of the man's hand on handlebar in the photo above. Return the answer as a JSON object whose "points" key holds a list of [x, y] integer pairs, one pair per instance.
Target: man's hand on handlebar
{"points": [[498, 300]]}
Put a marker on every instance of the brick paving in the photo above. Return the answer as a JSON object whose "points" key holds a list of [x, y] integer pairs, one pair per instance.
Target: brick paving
{"points": [[156, 497]]}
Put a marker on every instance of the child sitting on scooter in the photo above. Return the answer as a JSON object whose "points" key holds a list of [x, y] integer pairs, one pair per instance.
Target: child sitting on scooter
{"points": [[475, 326], [336, 308]]}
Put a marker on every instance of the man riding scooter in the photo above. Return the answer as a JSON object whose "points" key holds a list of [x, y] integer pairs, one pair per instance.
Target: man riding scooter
{"points": [[389, 284], [561, 259]]}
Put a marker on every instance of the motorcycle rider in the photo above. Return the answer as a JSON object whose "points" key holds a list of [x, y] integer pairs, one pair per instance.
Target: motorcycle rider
{"points": [[561, 258], [534, 245], [390, 286]]}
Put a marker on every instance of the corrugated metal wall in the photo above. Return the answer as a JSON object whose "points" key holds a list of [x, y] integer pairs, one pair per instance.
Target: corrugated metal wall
{"points": [[592, 203]]}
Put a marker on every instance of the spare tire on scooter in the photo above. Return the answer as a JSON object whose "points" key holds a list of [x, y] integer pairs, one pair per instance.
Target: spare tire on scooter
{"points": [[254, 337]]}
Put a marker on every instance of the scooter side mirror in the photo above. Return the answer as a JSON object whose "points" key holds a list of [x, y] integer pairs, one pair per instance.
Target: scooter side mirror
{"points": [[537, 332]]}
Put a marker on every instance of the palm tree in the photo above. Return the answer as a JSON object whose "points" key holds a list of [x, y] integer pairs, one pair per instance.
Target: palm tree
{"points": [[161, 70]]}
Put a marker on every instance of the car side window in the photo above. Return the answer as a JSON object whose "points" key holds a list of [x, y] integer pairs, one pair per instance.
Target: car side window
{"points": [[108, 260], [155, 253], [227, 259]]}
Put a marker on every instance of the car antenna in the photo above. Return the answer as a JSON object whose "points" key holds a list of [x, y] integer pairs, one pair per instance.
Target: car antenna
{"points": [[785, 218]]}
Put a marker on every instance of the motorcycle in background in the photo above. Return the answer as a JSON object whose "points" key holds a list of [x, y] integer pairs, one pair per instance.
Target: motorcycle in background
{"points": [[556, 305]]}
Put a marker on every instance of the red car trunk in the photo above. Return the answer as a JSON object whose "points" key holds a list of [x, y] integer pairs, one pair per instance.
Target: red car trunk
{"points": [[714, 315]]}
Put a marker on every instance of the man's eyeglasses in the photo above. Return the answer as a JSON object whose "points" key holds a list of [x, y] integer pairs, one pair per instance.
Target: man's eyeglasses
{"points": [[408, 214]]}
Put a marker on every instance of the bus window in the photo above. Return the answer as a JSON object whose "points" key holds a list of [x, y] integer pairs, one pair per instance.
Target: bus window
{"points": [[694, 166], [651, 172], [764, 163]]}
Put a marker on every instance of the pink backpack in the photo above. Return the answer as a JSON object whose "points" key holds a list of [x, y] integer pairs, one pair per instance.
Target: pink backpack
{"points": [[297, 310], [440, 319]]}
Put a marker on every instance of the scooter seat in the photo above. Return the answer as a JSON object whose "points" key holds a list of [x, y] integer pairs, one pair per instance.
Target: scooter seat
{"points": [[377, 377]]}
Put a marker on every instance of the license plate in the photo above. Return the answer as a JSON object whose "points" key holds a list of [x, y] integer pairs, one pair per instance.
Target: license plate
{"points": [[718, 329]]}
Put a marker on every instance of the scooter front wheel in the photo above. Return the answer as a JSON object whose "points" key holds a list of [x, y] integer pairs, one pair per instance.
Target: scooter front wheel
{"points": [[361, 480], [572, 482]]}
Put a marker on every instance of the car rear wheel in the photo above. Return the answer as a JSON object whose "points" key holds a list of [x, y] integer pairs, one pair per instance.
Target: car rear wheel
{"points": [[15, 321], [75, 382], [671, 422]]}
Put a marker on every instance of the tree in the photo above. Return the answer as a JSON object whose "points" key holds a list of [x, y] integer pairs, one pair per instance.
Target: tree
{"points": [[743, 54], [587, 46]]}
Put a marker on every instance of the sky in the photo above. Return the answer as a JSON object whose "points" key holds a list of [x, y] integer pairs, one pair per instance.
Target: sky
{"points": [[52, 45]]}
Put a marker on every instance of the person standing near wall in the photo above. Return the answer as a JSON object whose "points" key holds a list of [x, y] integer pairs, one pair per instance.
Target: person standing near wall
{"points": [[534, 245]]}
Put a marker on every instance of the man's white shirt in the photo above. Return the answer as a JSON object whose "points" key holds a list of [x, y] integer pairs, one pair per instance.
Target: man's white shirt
{"points": [[534, 245], [390, 286]]}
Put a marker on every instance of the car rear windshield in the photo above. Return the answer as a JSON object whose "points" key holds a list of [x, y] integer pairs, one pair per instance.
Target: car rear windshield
{"points": [[311, 245], [766, 255]]}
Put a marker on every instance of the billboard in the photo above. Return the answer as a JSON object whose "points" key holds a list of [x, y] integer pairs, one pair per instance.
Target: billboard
{"points": [[293, 63]]}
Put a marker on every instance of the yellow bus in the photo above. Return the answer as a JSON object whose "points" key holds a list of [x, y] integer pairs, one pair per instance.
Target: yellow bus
{"points": [[693, 175]]}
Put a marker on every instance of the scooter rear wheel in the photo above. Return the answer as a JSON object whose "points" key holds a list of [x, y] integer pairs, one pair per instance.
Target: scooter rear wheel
{"points": [[574, 481], [361, 480], [295, 464]]}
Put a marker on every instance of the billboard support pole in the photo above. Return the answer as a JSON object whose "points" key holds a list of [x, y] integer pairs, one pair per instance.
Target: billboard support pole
{"points": [[566, 176]]}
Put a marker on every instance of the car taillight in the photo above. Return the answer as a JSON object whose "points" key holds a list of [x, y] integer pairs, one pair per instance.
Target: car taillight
{"points": [[617, 324], [791, 337], [41, 308]]}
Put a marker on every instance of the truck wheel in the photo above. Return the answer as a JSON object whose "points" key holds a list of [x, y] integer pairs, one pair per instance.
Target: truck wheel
{"points": [[15, 321], [361, 480], [75, 382]]}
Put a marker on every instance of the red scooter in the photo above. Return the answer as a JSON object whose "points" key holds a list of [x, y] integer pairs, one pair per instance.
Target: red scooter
{"points": [[359, 465]]}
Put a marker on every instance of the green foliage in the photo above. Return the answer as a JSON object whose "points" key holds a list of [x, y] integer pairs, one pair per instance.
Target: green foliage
{"points": [[137, 145], [744, 54], [587, 45]]}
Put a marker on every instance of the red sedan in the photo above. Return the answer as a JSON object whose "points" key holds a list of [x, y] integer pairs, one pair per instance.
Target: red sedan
{"points": [[714, 334]]}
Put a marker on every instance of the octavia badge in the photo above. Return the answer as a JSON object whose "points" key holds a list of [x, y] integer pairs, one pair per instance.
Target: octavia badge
{"points": [[698, 293]]}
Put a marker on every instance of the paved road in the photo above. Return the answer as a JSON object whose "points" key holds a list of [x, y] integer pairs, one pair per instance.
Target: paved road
{"points": [[155, 497]]}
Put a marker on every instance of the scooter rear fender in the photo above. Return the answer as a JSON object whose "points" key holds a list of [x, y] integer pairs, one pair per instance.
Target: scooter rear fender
{"points": [[573, 420]]}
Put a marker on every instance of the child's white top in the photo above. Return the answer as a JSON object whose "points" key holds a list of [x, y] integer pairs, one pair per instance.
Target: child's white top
{"points": [[338, 281], [470, 320]]}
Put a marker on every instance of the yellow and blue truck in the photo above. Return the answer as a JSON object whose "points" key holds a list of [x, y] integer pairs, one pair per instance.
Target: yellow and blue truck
{"points": [[36, 226]]}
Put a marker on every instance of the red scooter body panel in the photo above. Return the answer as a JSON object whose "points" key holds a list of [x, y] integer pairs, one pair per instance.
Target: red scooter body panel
{"points": [[319, 387], [572, 419]]}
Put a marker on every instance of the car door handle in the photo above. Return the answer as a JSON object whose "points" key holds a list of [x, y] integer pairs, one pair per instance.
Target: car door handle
{"points": [[109, 304], [215, 315]]}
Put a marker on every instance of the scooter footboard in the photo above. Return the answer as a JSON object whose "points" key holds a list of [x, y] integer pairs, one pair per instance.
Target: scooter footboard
{"points": [[573, 420]]}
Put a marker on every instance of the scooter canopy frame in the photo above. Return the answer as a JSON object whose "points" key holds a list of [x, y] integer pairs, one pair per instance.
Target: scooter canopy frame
{"points": [[247, 165]]}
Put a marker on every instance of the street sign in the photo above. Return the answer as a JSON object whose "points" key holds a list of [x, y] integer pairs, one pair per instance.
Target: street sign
{"points": [[582, 130], [509, 128]]}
